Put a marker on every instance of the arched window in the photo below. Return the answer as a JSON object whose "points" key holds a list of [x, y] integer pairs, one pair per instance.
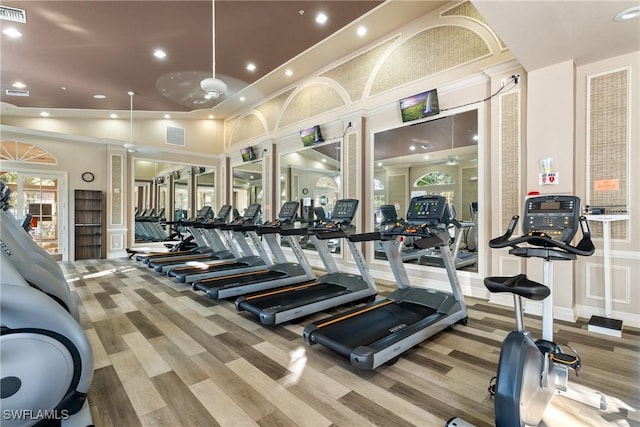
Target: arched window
{"points": [[327, 182], [434, 178], [24, 152]]}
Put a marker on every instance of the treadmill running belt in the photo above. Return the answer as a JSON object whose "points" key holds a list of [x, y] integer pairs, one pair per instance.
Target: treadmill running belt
{"points": [[237, 280], [370, 326], [301, 294]]}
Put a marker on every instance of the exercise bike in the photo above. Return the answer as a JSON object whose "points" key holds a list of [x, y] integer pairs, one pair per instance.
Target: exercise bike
{"points": [[531, 372]]}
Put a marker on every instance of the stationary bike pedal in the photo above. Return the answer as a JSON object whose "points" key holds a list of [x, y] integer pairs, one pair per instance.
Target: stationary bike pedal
{"points": [[492, 387], [570, 360]]}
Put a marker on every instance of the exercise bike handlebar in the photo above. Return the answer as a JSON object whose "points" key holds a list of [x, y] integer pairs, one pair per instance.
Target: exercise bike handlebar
{"points": [[584, 247]]}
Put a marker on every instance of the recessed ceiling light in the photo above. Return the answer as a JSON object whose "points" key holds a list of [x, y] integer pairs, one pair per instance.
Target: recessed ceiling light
{"points": [[19, 85], [12, 33], [211, 116], [427, 157], [379, 164], [625, 15], [321, 18], [242, 99], [412, 147], [288, 73], [159, 53], [361, 31], [324, 160], [45, 114], [113, 115], [475, 137], [167, 116], [99, 96], [251, 67]]}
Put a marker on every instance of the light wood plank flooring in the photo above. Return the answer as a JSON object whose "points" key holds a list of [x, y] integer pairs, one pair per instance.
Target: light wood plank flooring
{"points": [[168, 356]]}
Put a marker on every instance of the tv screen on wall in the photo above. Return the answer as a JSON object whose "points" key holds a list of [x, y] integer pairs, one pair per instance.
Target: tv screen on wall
{"points": [[311, 136], [247, 154], [419, 106]]}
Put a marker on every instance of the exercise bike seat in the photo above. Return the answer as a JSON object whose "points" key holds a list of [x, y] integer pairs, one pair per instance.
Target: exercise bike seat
{"points": [[519, 285]]}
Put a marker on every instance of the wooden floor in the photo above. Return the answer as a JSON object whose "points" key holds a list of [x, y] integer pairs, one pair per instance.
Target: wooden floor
{"points": [[167, 356]]}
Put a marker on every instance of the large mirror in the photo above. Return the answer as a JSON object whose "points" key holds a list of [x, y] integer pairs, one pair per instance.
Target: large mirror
{"points": [[313, 178], [164, 191], [247, 185], [439, 157]]}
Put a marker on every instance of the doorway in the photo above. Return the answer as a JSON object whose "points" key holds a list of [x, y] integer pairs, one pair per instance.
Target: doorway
{"points": [[42, 195]]}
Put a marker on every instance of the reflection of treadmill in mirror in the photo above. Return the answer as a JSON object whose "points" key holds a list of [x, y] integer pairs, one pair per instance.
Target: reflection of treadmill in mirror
{"points": [[408, 252], [381, 331], [280, 273], [461, 258], [333, 289]]}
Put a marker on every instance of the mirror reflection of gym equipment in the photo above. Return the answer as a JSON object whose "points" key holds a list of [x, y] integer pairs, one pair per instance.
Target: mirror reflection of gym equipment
{"points": [[437, 157]]}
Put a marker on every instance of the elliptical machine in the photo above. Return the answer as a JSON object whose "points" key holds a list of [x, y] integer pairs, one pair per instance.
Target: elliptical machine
{"points": [[531, 372]]}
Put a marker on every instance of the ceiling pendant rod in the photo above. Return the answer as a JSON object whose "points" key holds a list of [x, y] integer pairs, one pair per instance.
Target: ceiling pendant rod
{"points": [[213, 36]]}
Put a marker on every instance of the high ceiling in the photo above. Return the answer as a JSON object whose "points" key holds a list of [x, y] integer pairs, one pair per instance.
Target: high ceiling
{"points": [[72, 50]]}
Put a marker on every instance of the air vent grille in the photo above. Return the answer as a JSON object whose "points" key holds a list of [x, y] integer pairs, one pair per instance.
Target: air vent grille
{"points": [[13, 14], [175, 136], [17, 92]]}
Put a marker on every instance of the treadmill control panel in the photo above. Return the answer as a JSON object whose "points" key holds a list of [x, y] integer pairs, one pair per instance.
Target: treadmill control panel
{"points": [[431, 210], [287, 215], [555, 216], [340, 223]]}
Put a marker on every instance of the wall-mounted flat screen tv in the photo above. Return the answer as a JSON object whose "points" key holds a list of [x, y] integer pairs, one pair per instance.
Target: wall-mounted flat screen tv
{"points": [[247, 154], [419, 106], [311, 136]]}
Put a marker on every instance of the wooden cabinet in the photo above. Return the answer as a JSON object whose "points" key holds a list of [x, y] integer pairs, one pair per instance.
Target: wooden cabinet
{"points": [[88, 224]]}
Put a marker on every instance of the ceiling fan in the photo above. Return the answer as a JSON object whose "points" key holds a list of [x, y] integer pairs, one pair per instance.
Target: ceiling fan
{"points": [[213, 87], [130, 146]]}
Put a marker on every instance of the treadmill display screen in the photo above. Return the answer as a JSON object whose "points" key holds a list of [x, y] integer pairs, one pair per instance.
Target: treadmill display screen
{"points": [[427, 208], [205, 212], [224, 212], [252, 211], [344, 209], [288, 211]]}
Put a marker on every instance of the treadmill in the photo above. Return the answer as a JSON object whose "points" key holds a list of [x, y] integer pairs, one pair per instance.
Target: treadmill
{"points": [[281, 273], [246, 261], [381, 331], [333, 289], [408, 252], [460, 259], [205, 213], [207, 248]]}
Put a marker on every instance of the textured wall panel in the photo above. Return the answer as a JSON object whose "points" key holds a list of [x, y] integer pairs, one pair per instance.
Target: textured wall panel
{"points": [[271, 109], [510, 157], [354, 74], [608, 144], [116, 190], [352, 151], [250, 126], [311, 101], [468, 10], [428, 52]]}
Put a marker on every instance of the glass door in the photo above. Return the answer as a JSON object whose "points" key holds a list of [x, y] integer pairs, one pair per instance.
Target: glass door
{"points": [[39, 196]]}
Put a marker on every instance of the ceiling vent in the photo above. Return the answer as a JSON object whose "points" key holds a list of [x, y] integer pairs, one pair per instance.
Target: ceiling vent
{"points": [[16, 92], [13, 14], [175, 136]]}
